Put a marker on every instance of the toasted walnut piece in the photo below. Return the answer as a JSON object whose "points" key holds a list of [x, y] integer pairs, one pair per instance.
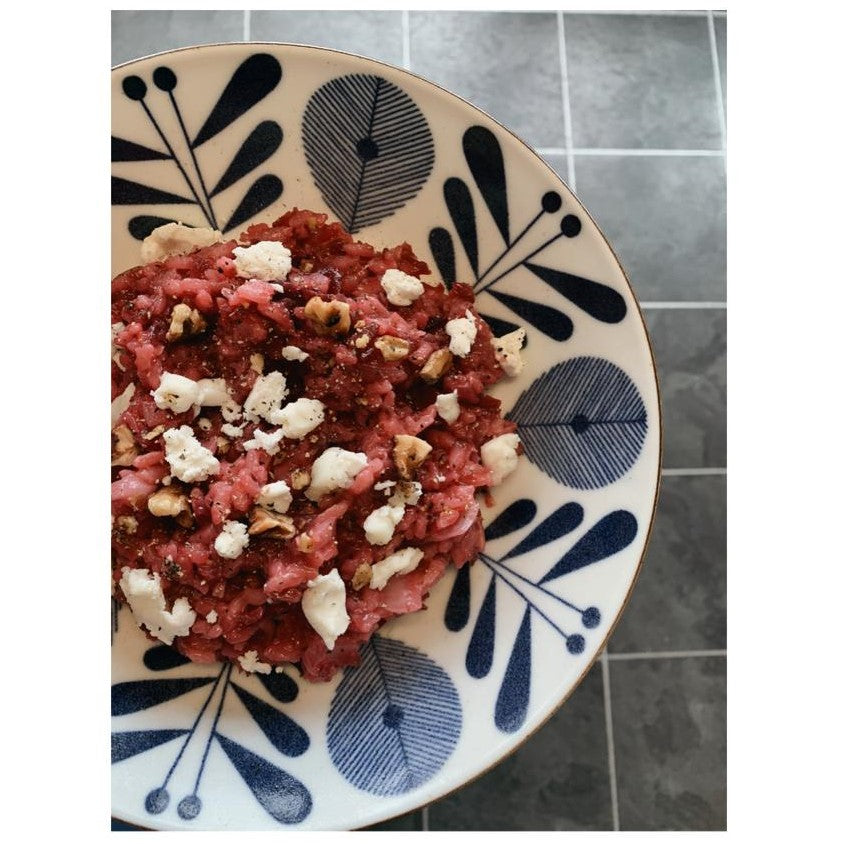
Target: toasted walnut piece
{"points": [[223, 445], [126, 524], [392, 348], [362, 576], [270, 524], [437, 365], [328, 317], [256, 363], [408, 453], [168, 501], [306, 267], [184, 322], [156, 432], [305, 543], [300, 478], [123, 450]]}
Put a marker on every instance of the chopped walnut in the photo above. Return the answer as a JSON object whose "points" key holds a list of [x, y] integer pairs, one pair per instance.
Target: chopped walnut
{"points": [[126, 524], [437, 365], [156, 432], [408, 453], [123, 449], [300, 478], [305, 543], [392, 348], [169, 501], [256, 363], [362, 576], [184, 322], [223, 445], [328, 317], [270, 524]]}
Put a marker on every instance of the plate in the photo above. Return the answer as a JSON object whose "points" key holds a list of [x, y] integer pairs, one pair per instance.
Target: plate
{"points": [[236, 133]]}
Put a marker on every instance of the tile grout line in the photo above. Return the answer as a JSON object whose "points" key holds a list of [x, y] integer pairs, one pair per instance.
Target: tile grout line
{"points": [[611, 750], [632, 151], [619, 657], [717, 79], [680, 306], [406, 39], [567, 112], [679, 473], [246, 24]]}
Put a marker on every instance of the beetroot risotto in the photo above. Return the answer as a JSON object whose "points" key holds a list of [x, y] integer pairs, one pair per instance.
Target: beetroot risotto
{"points": [[299, 431]]}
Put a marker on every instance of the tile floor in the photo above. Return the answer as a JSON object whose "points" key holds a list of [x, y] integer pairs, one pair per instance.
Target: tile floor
{"points": [[629, 108]]}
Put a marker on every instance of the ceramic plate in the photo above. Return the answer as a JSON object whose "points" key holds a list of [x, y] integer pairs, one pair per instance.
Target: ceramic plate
{"points": [[231, 134]]}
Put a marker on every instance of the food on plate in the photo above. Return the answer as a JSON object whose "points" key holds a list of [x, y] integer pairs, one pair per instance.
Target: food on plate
{"points": [[300, 426]]}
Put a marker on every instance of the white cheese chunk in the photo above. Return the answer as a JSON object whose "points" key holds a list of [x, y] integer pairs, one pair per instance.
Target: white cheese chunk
{"points": [[212, 392], [232, 540], [275, 496], [189, 460], [401, 288], [269, 442], [211, 618], [266, 397], [447, 406], [324, 606], [384, 485], [146, 599], [462, 332], [250, 662], [334, 469], [300, 417], [402, 562], [508, 349], [231, 411], [204, 424], [408, 492], [499, 455], [121, 403], [233, 431], [294, 353], [380, 524], [175, 392], [176, 239], [267, 260]]}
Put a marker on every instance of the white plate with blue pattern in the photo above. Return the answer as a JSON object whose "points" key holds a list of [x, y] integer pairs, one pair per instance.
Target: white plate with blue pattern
{"points": [[226, 135]]}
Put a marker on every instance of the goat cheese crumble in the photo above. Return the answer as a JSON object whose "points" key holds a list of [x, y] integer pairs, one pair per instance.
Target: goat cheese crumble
{"points": [[189, 460], [401, 289], [324, 606], [146, 599], [462, 331], [267, 260]]}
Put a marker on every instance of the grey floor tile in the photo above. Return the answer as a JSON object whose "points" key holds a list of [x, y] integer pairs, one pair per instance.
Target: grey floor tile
{"points": [[720, 26], [136, 34], [690, 349], [508, 64], [557, 780], [670, 743], [665, 217], [641, 81], [679, 600], [411, 822], [375, 34]]}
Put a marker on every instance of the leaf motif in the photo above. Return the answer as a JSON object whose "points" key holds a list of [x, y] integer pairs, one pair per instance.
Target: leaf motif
{"points": [[549, 320], [368, 146], [394, 720], [582, 422], [261, 143], [281, 686], [443, 250], [283, 732], [514, 517], [607, 537], [125, 745], [499, 327], [565, 519], [123, 150], [457, 608], [142, 694], [143, 225], [254, 79], [125, 192], [598, 300], [263, 193], [512, 702], [281, 795], [462, 211], [162, 657], [483, 641], [484, 157]]}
